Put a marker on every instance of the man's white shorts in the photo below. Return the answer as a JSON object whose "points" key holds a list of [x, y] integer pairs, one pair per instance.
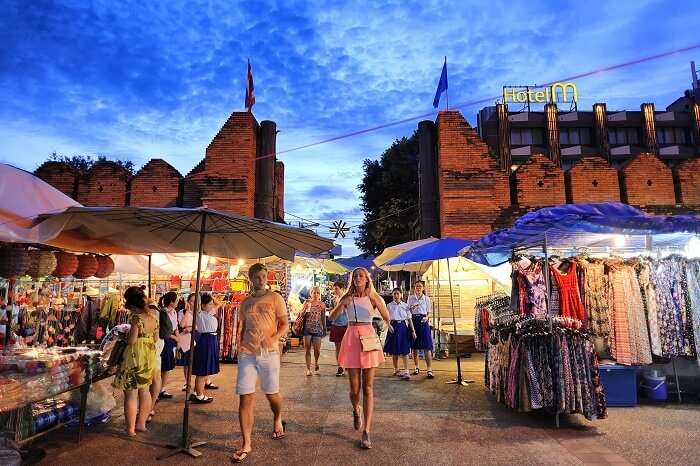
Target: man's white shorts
{"points": [[250, 367]]}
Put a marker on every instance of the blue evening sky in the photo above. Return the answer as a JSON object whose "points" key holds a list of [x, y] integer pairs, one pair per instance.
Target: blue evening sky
{"points": [[144, 79]]}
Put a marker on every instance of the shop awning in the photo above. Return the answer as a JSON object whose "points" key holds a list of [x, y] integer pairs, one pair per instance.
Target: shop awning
{"points": [[608, 225]]}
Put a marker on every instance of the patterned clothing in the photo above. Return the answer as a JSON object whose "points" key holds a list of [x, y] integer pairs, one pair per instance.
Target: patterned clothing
{"points": [[136, 368], [532, 290], [315, 313], [650, 306], [621, 348], [693, 279], [595, 302]]}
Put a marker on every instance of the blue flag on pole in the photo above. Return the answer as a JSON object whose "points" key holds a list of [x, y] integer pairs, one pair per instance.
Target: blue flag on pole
{"points": [[442, 85]]}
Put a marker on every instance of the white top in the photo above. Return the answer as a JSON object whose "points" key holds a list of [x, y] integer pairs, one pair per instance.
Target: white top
{"points": [[206, 323], [422, 304], [363, 307], [172, 313], [185, 339], [398, 311]]}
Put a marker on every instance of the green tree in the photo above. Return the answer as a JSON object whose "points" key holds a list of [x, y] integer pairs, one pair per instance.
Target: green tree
{"points": [[86, 162], [389, 196]]}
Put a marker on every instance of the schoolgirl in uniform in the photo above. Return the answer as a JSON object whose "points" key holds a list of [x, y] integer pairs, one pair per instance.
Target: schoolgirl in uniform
{"points": [[419, 305], [205, 360], [398, 340]]}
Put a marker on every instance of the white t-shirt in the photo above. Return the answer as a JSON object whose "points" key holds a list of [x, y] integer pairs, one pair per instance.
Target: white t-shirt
{"points": [[422, 304], [398, 311]]}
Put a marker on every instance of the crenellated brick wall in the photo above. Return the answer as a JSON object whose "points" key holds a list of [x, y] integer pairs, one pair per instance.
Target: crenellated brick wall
{"points": [[106, 184], [592, 179], [157, 184], [688, 177], [472, 188], [223, 180], [59, 175], [646, 180], [539, 182]]}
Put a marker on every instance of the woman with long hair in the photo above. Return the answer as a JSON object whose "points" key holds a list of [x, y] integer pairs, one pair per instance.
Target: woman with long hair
{"points": [[314, 328], [356, 357], [167, 303], [185, 339], [135, 372]]}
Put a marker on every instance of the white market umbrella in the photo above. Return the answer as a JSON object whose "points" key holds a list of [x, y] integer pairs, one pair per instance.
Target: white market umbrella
{"points": [[140, 230], [24, 196], [394, 251]]}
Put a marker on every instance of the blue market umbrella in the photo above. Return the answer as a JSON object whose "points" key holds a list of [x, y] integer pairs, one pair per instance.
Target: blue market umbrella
{"points": [[444, 248]]}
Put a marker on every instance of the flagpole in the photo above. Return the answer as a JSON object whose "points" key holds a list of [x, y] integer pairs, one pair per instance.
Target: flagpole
{"points": [[447, 94]]}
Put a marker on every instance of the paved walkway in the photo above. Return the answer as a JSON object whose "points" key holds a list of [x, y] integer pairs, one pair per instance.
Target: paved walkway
{"points": [[421, 422]]}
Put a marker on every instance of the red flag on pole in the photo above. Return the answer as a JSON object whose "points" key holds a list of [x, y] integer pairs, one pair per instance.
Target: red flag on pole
{"points": [[249, 89]]}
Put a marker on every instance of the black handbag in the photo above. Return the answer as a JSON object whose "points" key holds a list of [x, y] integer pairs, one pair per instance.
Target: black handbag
{"points": [[117, 353]]}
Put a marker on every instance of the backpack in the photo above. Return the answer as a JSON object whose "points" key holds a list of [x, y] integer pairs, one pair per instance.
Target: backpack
{"points": [[165, 329]]}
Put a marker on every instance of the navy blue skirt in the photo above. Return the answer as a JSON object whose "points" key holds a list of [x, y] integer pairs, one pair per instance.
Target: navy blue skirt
{"points": [[183, 358], [167, 356], [398, 341], [424, 337], [206, 355]]}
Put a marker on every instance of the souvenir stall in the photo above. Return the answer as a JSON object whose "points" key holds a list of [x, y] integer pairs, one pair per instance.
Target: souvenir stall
{"points": [[609, 283]]}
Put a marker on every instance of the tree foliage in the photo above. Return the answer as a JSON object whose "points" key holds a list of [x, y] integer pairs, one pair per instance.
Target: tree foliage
{"points": [[86, 162], [389, 196]]}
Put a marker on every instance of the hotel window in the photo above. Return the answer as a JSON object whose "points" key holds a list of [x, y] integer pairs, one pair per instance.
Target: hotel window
{"points": [[527, 136], [574, 136], [623, 136], [672, 136]]}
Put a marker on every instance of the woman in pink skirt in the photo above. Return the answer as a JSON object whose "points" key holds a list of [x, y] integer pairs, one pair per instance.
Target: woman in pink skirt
{"points": [[358, 303]]}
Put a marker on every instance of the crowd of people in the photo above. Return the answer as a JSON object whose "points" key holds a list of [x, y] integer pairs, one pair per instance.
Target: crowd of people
{"points": [[161, 338]]}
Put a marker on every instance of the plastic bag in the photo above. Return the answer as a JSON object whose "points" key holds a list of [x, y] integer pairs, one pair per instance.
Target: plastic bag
{"points": [[100, 399]]}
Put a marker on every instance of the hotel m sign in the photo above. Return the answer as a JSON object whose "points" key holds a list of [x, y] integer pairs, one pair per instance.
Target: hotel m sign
{"points": [[556, 93]]}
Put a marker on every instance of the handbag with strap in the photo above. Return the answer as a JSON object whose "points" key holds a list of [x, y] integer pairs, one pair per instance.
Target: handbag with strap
{"points": [[298, 326], [368, 342]]}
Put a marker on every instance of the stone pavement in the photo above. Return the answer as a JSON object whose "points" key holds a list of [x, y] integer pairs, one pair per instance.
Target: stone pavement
{"points": [[421, 422]]}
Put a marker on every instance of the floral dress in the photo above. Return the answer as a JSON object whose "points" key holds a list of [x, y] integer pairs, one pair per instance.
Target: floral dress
{"points": [[136, 368]]}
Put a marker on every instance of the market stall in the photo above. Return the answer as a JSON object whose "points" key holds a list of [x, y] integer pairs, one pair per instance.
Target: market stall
{"points": [[598, 281]]}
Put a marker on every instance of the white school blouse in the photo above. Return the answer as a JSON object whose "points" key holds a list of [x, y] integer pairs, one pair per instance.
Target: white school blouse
{"points": [[422, 304], [398, 311]]}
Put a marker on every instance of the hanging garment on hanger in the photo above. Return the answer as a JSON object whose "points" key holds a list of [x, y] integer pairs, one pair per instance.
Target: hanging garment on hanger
{"points": [[650, 305], [532, 289], [570, 304]]}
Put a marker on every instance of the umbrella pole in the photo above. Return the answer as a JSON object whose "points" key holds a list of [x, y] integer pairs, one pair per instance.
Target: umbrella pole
{"points": [[150, 256], [186, 445], [459, 380], [438, 354]]}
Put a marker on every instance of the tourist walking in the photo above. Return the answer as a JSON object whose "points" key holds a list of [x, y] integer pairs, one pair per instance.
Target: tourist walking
{"points": [[135, 372], [314, 328], [400, 334], [263, 320], [419, 305], [339, 325], [361, 350], [205, 360]]}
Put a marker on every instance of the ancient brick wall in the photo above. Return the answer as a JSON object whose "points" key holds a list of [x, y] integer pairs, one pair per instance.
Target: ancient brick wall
{"points": [[472, 188], [59, 175], [592, 179], [157, 184], [539, 182], [646, 180], [688, 177], [106, 184]]}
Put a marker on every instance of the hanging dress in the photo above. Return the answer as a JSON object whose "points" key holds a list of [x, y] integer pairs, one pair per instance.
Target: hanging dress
{"points": [[570, 304]]}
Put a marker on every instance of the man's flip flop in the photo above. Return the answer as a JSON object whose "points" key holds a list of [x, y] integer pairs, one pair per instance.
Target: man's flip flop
{"points": [[240, 456], [277, 435]]}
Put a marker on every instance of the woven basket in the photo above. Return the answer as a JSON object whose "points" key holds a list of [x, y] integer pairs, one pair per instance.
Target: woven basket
{"points": [[41, 263], [66, 264], [13, 262], [105, 266], [87, 266]]}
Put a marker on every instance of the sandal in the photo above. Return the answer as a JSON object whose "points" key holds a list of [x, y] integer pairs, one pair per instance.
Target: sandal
{"points": [[240, 456], [277, 435], [365, 443], [430, 375], [356, 420]]}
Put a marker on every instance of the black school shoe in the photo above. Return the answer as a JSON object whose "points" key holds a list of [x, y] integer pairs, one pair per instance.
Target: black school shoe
{"points": [[195, 399], [164, 395], [211, 386], [340, 372]]}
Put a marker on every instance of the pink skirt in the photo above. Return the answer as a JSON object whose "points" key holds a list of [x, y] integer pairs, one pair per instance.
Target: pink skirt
{"points": [[351, 355]]}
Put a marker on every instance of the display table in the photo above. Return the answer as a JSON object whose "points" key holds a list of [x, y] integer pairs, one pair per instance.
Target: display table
{"points": [[34, 375]]}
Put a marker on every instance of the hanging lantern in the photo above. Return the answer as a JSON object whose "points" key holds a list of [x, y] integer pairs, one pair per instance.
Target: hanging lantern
{"points": [[41, 263], [105, 266], [87, 266], [13, 262], [66, 264]]}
